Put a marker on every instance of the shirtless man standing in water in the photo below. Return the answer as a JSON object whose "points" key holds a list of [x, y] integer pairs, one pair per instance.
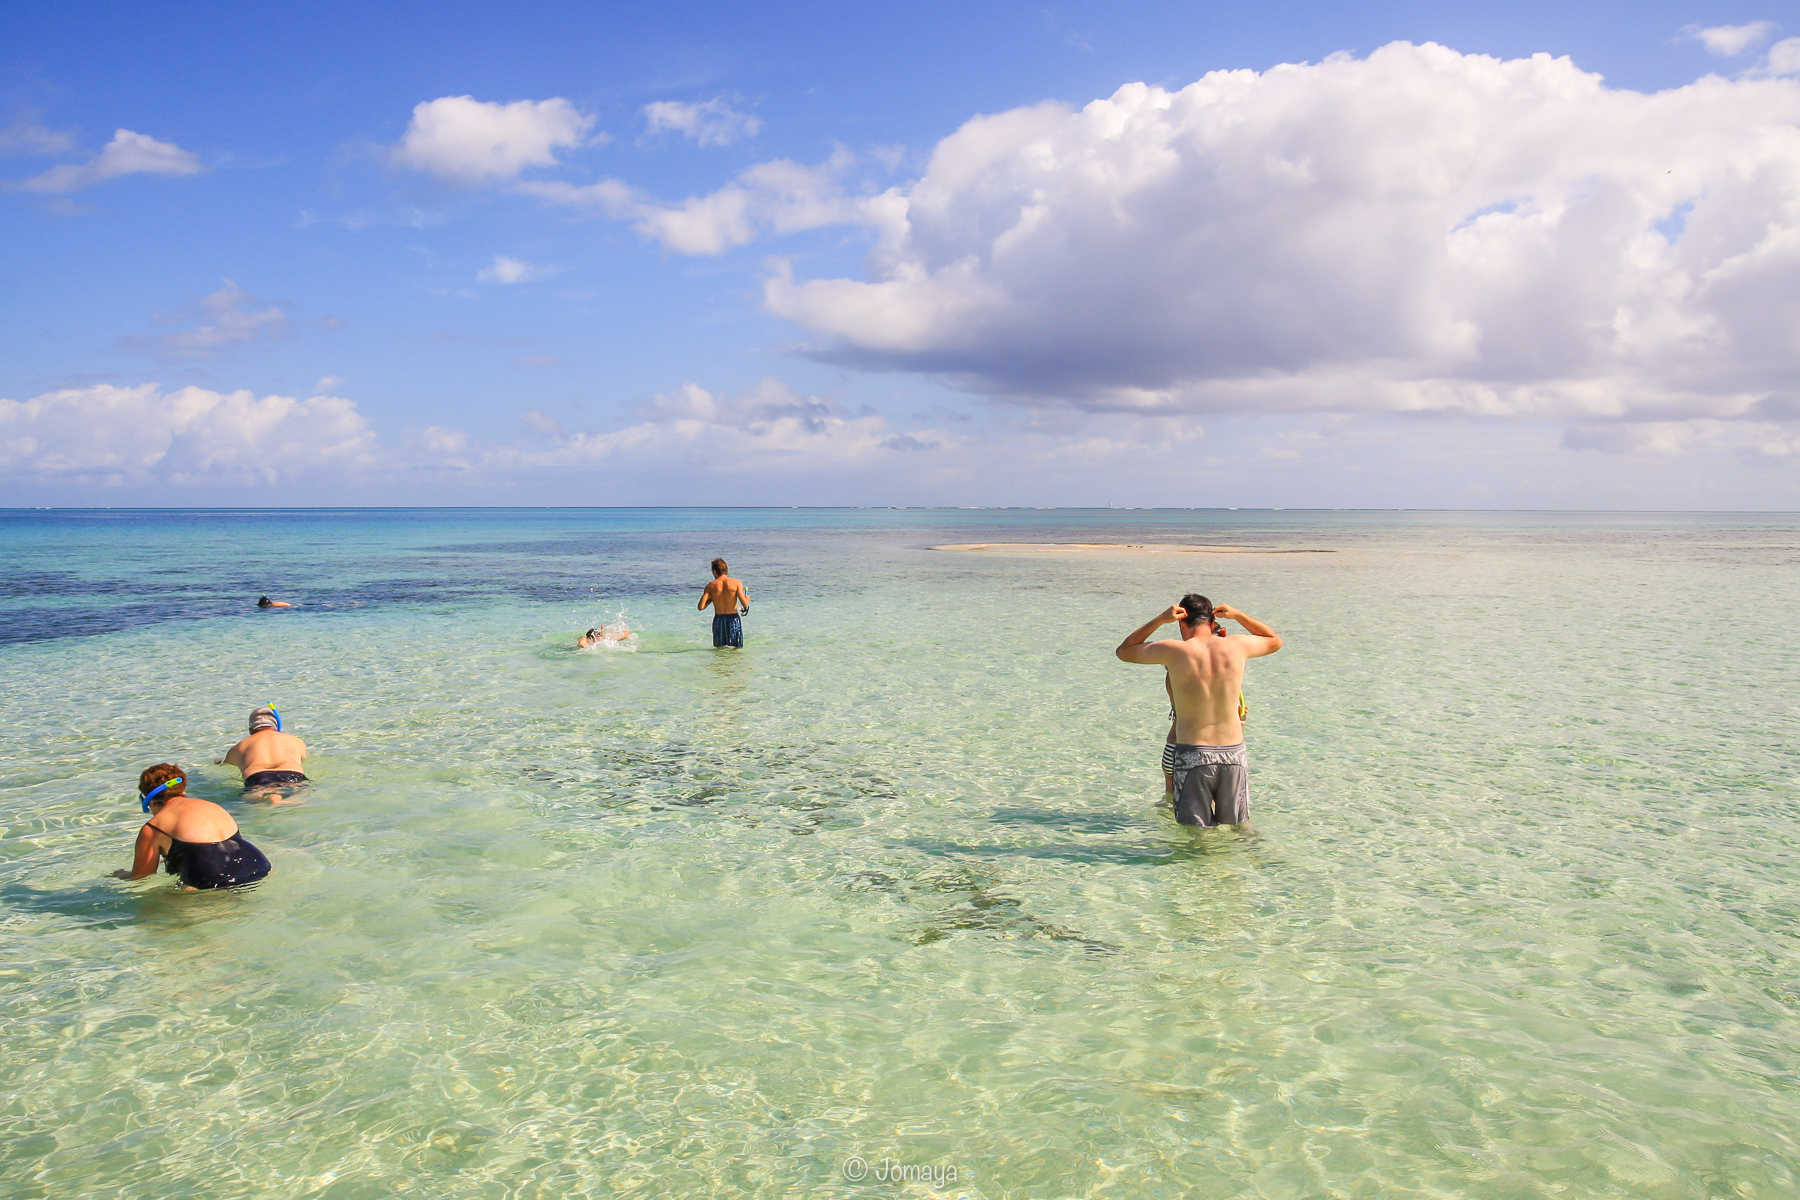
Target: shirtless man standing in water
{"points": [[729, 598], [268, 758], [1206, 676]]}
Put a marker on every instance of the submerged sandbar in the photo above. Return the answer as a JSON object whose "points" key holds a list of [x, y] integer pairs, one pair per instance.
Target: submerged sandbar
{"points": [[1115, 548]]}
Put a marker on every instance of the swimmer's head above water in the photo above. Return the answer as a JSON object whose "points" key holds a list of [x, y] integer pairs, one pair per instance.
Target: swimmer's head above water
{"points": [[160, 784], [264, 718]]}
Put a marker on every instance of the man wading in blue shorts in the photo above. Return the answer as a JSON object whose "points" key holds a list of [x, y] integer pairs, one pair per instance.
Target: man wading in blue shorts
{"points": [[1206, 677], [729, 599]]}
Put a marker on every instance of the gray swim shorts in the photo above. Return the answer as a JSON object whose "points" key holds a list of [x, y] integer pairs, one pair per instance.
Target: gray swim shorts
{"points": [[1212, 784]]}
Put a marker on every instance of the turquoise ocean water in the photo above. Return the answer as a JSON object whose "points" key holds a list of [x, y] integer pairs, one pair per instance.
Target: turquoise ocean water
{"points": [[1519, 918]]}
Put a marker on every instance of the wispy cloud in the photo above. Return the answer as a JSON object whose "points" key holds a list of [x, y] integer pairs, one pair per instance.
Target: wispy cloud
{"points": [[1729, 41], [713, 123], [127, 154], [511, 270], [213, 324], [775, 197], [28, 135]]}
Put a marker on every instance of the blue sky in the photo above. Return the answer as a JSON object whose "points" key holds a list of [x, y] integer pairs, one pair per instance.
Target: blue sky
{"points": [[819, 254]]}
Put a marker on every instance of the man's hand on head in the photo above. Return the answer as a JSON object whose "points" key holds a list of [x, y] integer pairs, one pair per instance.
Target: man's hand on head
{"points": [[1225, 611], [1174, 614]]}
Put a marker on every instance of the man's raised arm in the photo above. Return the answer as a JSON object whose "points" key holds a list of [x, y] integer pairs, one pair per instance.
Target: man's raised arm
{"points": [[1134, 650], [1268, 641]]}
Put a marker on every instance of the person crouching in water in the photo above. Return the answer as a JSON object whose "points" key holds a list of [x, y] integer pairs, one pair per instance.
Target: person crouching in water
{"points": [[269, 759], [1211, 773], [198, 839]]}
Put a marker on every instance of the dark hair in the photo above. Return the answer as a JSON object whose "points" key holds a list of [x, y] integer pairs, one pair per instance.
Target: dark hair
{"points": [[1199, 609], [719, 567], [265, 602], [162, 773]]}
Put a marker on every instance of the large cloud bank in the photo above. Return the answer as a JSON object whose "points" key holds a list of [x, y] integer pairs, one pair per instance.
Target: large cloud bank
{"points": [[143, 436], [1420, 230], [146, 437]]}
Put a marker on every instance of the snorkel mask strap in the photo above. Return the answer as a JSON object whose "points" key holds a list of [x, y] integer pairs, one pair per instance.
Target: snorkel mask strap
{"points": [[158, 790]]}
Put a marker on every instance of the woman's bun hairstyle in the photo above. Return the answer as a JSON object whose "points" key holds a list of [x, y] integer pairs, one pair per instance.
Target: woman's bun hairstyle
{"points": [[162, 773]]}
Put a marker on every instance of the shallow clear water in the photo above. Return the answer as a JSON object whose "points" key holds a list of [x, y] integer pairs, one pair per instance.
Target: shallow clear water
{"points": [[1518, 917]]}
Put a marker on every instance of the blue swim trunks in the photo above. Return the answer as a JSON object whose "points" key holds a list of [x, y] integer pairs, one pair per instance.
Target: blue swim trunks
{"points": [[728, 630]]}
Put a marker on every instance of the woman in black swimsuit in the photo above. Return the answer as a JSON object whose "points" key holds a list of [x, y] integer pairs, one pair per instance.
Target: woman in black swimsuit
{"points": [[198, 839]]}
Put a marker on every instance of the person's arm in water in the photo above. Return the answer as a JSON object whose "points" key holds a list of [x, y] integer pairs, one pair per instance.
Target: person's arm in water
{"points": [[144, 858], [1136, 648], [231, 758], [1260, 640]]}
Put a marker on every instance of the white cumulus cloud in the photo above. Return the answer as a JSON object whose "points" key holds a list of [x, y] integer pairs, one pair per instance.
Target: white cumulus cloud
{"points": [[1784, 58], [137, 436], [467, 141], [1728, 41], [1417, 231], [127, 154], [713, 123]]}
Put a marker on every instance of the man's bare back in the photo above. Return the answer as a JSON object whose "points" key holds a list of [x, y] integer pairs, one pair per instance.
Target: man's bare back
{"points": [[267, 750], [1206, 674], [725, 594]]}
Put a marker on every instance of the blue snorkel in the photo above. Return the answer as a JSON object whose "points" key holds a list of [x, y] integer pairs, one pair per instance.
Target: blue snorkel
{"points": [[276, 715], [158, 790]]}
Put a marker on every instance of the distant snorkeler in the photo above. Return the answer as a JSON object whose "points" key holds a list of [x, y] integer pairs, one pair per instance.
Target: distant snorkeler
{"points": [[196, 838], [612, 634], [265, 602], [269, 759]]}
